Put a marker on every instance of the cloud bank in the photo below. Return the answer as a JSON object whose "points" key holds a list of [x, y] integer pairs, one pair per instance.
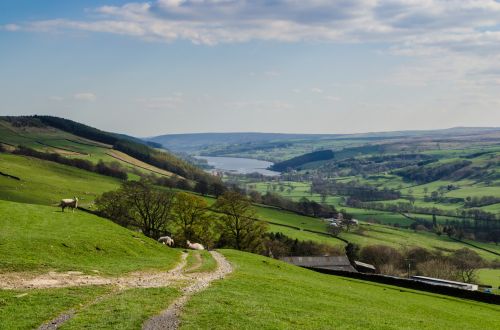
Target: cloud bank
{"points": [[414, 25]]}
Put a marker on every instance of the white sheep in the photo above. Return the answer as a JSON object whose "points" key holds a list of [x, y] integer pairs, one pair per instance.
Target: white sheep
{"points": [[167, 240], [195, 246], [68, 202]]}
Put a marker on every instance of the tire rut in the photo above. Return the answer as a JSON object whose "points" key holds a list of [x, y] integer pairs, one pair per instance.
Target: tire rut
{"points": [[176, 272], [169, 318]]}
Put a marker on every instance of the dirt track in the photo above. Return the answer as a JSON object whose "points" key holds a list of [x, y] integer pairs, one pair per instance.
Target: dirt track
{"points": [[168, 319]]}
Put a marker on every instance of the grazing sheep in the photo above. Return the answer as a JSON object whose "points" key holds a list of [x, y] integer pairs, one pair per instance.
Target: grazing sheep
{"points": [[167, 240], [195, 246], [68, 202]]}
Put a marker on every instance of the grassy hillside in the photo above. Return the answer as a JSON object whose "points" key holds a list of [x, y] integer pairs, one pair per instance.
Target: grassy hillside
{"points": [[36, 238], [367, 234], [75, 140], [44, 182], [52, 140], [266, 294]]}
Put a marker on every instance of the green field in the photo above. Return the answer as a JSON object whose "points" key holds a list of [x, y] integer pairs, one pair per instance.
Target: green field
{"points": [[367, 234], [262, 292], [28, 309], [127, 309], [39, 238], [44, 182], [52, 140], [267, 294], [491, 277]]}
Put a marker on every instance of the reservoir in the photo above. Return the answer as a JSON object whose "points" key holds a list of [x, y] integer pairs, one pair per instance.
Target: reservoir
{"points": [[240, 165]]}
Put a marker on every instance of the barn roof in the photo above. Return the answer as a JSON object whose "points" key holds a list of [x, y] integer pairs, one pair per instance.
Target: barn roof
{"points": [[362, 264]]}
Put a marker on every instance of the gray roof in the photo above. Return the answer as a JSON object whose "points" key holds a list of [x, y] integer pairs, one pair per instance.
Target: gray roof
{"points": [[331, 262], [362, 264]]}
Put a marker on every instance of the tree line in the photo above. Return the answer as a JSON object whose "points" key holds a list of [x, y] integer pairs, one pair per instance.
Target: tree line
{"points": [[113, 169], [157, 211], [460, 265]]}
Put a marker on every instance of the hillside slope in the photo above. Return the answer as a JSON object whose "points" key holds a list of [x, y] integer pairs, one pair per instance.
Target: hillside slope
{"points": [[39, 238], [267, 294], [75, 140]]}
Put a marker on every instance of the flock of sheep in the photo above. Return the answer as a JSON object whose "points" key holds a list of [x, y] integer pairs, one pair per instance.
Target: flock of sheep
{"points": [[167, 240]]}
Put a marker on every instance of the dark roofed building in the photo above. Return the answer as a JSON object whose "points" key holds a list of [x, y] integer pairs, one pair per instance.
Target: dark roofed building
{"points": [[339, 263], [364, 267]]}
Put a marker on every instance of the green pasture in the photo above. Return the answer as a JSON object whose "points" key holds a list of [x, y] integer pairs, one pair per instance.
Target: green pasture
{"points": [[263, 293], [490, 276], [44, 182], [37, 238], [28, 309], [124, 310]]}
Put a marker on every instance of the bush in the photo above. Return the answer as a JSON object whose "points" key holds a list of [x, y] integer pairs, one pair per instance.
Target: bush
{"points": [[382, 256], [280, 245], [439, 268]]}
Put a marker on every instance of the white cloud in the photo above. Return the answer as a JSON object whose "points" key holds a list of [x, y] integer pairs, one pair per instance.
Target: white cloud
{"points": [[10, 27], [215, 21], [463, 32], [86, 97]]}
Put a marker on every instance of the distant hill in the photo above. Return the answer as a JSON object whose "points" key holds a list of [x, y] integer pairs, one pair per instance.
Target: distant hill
{"points": [[196, 141], [296, 162], [218, 144]]}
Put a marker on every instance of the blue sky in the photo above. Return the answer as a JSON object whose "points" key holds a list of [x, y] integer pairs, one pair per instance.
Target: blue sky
{"points": [[172, 66]]}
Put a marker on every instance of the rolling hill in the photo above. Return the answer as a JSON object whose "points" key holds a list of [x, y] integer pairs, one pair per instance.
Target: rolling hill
{"points": [[75, 140]]}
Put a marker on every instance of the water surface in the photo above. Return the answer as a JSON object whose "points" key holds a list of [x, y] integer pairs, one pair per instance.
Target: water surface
{"points": [[240, 165]]}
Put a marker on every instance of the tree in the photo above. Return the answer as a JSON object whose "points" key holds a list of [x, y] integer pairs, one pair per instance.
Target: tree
{"points": [[113, 205], [438, 268], [190, 211], [201, 187], [352, 251], [138, 204], [381, 255], [240, 228], [217, 189], [334, 229], [466, 262]]}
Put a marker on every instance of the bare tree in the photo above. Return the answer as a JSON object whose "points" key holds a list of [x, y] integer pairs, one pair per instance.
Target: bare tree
{"points": [[467, 263]]}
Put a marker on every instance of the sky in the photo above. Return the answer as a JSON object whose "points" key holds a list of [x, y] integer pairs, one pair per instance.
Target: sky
{"points": [[317, 66]]}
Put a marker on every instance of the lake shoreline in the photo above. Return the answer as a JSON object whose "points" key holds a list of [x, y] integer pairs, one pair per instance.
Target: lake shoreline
{"points": [[239, 165]]}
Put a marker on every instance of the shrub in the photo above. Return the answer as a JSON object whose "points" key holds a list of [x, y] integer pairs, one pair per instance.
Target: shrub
{"points": [[381, 255]]}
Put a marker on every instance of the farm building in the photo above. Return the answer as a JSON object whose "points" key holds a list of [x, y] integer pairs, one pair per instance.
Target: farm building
{"points": [[339, 220], [339, 263], [364, 267], [438, 281]]}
